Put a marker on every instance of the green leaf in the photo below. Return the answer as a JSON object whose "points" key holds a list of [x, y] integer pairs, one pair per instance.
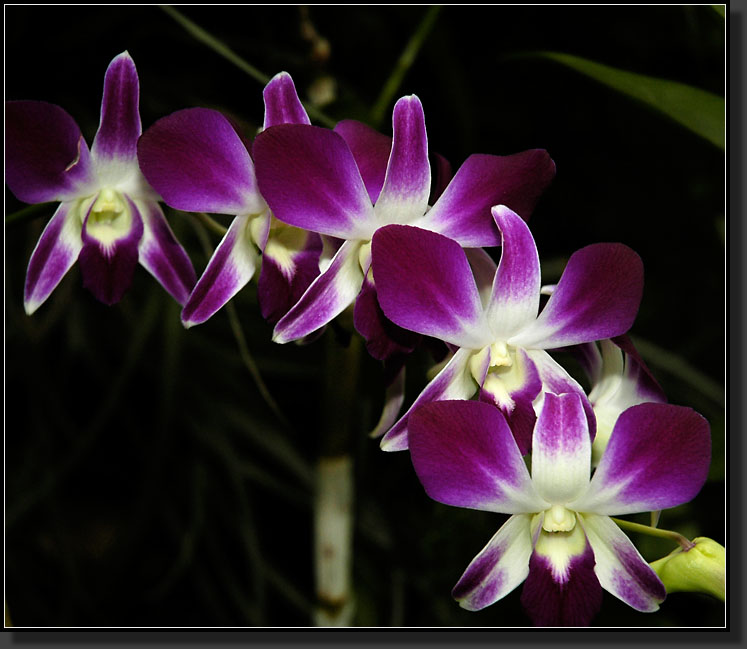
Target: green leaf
{"points": [[720, 10], [700, 111]]}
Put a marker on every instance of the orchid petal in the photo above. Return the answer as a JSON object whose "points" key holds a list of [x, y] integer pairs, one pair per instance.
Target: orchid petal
{"points": [[440, 297], [483, 268], [46, 157], [515, 295], [620, 568], [561, 449], [327, 296], [290, 263], [230, 268], [463, 210], [282, 105], [371, 151], [393, 400], [407, 185], [562, 588], [454, 381], [465, 455], [309, 178], [109, 254], [163, 256], [120, 127], [657, 457], [55, 253], [498, 568], [597, 297], [195, 159]]}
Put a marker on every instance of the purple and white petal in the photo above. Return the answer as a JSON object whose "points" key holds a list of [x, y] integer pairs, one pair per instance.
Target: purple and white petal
{"points": [[327, 296], [454, 381], [371, 151], [463, 210], [407, 186], [120, 127], [384, 339], [230, 268], [637, 373], [197, 162], [55, 253], [309, 178], [597, 297], [556, 380], [393, 399], [439, 297], [465, 455], [483, 268], [514, 301], [110, 246], [163, 256], [498, 568], [620, 568], [562, 588], [561, 449], [282, 105], [46, 157], [657, 457], [290, 263]]}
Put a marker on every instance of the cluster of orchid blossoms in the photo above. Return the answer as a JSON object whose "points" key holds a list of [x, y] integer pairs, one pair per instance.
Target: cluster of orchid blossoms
{"points": [[348, 216]]}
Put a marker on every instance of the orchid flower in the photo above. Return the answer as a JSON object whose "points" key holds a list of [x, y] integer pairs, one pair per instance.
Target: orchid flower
{"points": [[199, 163], [501, 340], [619, 380], [560, 537], [332, 182], [108, 218]]}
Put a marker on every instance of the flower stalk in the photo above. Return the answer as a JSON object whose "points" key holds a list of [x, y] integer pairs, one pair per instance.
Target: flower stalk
{"points": [[655, 531]]}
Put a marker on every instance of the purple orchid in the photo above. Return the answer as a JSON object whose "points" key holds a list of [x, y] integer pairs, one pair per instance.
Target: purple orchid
{"points": [[619, 380], [560, 537], [199, 163], [108, 218], [500, 339], [336, 183]]}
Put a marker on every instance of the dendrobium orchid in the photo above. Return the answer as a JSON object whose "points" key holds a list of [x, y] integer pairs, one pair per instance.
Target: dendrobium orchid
{"points": [[199, 163], [335, 183], [619, 380], [501, 338], [108, 218], [560, 537]]}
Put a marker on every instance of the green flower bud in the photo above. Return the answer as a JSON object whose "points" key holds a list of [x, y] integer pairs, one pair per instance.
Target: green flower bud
{"points": [[701, 569]]}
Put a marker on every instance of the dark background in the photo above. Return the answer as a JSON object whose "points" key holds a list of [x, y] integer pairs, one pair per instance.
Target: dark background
{"points": [[147, 482]]}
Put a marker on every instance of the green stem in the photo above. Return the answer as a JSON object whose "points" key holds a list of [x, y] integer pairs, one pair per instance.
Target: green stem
{"points": [[226, 52], [28, 213], [655, 531], [210, 223], [405, 61]]}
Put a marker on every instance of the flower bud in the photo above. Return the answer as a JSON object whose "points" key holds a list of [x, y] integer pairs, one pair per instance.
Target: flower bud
{"points": [[700, 569]]}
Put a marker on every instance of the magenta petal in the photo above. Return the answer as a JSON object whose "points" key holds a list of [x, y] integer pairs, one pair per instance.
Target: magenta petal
{"points": [[230, 268], [107, 270], [597, 297], [282, 282], [282, 105], [571, 597], [197, 162], [439, 297], [46, 157], [384, 339], [408, 175], [514, 302], [120, 125], [327, 296], [463, 211], [163, 256], [636, 371], [465, 455], [309, 178], [657, 457], [55, 253], [371, 151]]}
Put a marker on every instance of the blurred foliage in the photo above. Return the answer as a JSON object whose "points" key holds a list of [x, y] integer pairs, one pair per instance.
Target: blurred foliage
{"points": [[148, 483]]}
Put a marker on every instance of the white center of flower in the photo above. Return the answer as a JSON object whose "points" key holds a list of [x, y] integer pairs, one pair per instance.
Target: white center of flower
{"points": [[110, 217], [559, 519]]}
